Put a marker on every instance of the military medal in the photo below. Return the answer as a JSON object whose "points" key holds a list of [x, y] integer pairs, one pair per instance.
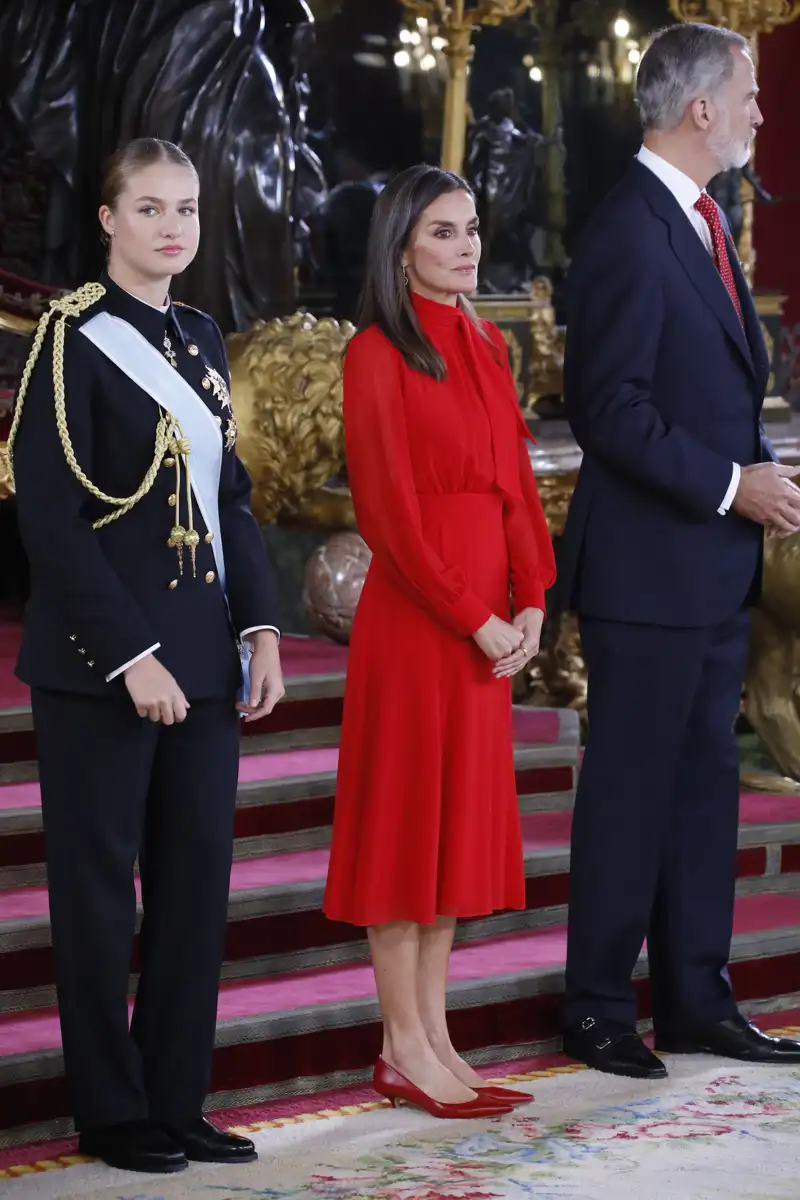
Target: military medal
{"points": [[169, 353], [214, 382], [230, 433]]}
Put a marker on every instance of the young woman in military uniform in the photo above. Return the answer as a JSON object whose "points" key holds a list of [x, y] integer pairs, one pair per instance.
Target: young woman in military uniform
{"points": [[151, 596]]}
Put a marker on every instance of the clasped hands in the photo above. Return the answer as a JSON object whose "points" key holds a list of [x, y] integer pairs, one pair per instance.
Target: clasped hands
{"points": [[157, 695], [511, 646], [768, 496]]}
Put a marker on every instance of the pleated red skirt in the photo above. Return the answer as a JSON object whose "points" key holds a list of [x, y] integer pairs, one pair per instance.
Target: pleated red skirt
{"points": [[426, 821]]}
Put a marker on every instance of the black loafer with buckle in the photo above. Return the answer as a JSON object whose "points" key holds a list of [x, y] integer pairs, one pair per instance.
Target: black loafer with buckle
{"points": [[612, 1047]]}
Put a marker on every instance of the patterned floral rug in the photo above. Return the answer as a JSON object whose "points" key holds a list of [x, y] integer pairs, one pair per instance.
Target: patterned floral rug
{"points": [[714, 1130]]}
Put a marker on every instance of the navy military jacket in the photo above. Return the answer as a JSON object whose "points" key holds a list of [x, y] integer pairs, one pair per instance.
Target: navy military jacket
{"points": [[102, 597]]}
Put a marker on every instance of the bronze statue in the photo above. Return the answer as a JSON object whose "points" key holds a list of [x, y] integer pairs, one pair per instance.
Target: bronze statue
{"points": [[726, 188], [81, 76], [503, 171]]}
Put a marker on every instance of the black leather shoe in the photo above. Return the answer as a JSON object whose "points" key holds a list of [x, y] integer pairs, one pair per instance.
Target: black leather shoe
{"points": [[135, 1146], [734, 1038], [201, 1142], [614, 1048]]}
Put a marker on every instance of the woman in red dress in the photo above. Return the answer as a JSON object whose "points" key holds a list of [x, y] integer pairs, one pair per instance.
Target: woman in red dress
{"points": [[426, 826]]}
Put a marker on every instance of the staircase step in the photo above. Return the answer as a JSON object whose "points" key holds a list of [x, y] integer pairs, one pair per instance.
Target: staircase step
{"points": [[317, 1029], [276, 923], [285, 798], [297, 1009]]}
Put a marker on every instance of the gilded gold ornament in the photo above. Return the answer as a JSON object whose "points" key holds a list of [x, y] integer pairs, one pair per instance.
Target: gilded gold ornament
{"points": [[6, 482], [747, 17], [547, 355], [772, 687], [287, 388]]}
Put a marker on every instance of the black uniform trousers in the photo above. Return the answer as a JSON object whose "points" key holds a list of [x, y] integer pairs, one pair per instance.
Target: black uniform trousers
{"points": [[115, 786], [654, 832]]}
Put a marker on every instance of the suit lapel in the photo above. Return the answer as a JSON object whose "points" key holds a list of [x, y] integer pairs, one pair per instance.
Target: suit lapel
{"points": [[702, 270], [755, 337], [695, 259]]}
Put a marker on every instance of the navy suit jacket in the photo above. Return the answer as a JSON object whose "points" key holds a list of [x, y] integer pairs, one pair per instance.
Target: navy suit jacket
{"points": [[663, 391]]}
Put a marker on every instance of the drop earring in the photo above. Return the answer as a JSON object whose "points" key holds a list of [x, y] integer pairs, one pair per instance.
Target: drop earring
{"points": [[405, 275]]}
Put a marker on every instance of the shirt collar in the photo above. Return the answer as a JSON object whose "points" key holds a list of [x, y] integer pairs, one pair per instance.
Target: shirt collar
{"points": [[684, 189], [150, 321], [434, 313]]}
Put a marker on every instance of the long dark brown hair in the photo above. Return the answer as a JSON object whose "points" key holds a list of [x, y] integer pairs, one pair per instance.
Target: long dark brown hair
{"points": [[385, 301]]}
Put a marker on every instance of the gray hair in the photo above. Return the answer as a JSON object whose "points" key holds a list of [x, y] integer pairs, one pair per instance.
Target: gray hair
{"points": [[681, 63]]}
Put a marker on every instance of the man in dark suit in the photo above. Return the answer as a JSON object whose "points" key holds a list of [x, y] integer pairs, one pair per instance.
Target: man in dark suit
{"points": [[665, 376]]}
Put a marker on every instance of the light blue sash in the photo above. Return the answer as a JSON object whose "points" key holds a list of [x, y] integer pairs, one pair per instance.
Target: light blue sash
{"points": [[142, 363], [148, 368]]}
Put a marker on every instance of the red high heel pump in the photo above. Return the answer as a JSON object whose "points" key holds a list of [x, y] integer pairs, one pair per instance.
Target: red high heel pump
{"points": [[504, 1095], [393, 1086]]}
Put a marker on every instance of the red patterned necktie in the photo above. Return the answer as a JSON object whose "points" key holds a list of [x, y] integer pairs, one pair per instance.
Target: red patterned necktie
{"points": [[708, 209]]}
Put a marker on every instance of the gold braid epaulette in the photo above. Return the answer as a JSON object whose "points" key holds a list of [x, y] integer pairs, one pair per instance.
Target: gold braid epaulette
{"points": [[73, 305]]}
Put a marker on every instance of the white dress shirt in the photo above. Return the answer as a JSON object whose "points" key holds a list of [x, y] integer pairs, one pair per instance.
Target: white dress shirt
{"points": [[687, 193], [245, 633]]}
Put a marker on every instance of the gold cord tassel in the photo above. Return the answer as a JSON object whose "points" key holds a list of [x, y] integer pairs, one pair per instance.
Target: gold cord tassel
{"points": [[192, 539], [72, 306], [181, 536]]}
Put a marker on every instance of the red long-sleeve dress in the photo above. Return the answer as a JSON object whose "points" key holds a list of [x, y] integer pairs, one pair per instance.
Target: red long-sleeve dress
{"points": [[426, 820]]}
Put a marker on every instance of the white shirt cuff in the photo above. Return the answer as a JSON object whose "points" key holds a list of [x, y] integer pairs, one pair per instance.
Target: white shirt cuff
{"points": [[138, 658], [255, 629], [731, 492]]}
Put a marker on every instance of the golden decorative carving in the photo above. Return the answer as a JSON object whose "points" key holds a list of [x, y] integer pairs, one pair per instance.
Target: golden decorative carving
{"points": [[455, 20], [547, 356], [744, 16], [543, 376], [772, 688], [770, 304], [558, 674], [11, 322], [327, 508], [6, 482], [769, 342], [286, 381], [515, 359], [556, 493]]}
